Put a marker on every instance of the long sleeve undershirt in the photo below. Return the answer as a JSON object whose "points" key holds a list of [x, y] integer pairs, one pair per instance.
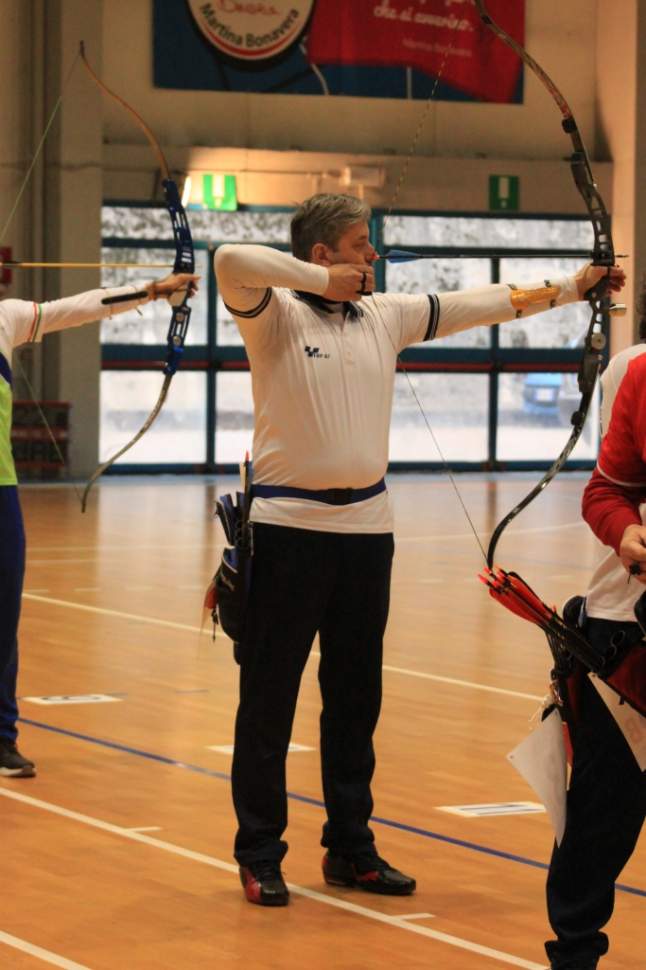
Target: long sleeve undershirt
{"points": [[245, 272]]}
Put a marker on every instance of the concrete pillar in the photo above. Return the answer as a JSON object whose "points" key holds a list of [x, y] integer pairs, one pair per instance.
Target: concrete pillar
{"points": [[72, 213]]}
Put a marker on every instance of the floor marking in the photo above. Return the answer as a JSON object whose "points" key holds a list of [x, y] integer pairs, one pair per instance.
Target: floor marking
{"points": [[418, 916], [55, 699], [37, 951], [308, 800], [37, 591], [228, 748], [486, 535], [394, 921], [97, 547], [196, 629], [500, 808], [57, 562], [105, 612], [462, 683], [145, 828]]}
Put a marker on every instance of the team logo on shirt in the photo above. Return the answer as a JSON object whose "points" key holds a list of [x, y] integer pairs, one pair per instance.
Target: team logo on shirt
{"points": [[315, 352]]}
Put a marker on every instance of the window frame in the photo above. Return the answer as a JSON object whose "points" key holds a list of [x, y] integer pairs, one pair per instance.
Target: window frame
{"points": [[494, 360]]}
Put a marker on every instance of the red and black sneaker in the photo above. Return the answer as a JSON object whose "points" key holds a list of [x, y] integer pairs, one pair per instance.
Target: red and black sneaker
{"points": [[263, 883], [370, 873]]}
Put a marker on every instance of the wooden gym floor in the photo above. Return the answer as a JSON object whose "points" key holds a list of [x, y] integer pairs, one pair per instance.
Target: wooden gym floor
{"points": [[117, 856]]}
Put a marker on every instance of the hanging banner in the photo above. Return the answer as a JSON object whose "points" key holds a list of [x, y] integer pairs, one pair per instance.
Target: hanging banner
{"points": [[443, 38], [358, 48], [249, 31]]}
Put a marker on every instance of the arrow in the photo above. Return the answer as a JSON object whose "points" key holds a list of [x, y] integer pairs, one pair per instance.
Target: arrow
{"points": [[20, 264]]}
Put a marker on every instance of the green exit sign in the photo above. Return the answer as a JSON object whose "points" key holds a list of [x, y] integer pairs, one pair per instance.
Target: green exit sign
{"points": [[219, 193], [504, 193]]}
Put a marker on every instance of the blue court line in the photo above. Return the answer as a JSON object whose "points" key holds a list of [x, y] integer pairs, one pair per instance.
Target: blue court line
{"points": [[307, 800]]}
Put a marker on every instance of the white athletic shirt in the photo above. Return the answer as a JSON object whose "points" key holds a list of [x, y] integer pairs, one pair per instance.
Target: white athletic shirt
{"points": [[323, 382], [610, 596]]}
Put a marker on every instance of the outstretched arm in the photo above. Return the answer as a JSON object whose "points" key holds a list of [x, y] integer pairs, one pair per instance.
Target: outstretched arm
{"points": [[503, 302], [26, 322]]}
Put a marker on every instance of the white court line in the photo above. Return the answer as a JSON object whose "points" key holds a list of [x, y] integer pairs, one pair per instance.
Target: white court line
{"points": [[37, 951], [196, 629], [486, 535], [395, 921], [104, 612], [462, 683]]}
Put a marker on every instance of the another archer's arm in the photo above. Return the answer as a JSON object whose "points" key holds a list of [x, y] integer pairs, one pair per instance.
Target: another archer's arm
{"points": [[26, 322]]}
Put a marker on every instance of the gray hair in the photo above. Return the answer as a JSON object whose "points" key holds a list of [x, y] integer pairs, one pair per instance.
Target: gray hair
{"points": [[323, 219]]}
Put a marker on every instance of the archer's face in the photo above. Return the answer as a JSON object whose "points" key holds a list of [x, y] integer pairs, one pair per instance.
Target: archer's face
{"points": [[354, 246]]}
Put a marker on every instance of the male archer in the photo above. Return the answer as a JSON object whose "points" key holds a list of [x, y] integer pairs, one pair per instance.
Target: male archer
{"points": [[23, 322], [323, 354]]}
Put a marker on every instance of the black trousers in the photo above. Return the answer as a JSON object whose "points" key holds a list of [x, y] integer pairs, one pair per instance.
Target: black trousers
{"points": [[605, 812], [304, 582]]}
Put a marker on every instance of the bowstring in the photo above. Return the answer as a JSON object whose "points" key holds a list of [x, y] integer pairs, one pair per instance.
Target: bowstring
{"points": [[400, 181]]}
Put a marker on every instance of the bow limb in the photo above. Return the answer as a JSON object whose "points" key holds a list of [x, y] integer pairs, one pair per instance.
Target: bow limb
{"points": [[598, 296], [184, 263]]}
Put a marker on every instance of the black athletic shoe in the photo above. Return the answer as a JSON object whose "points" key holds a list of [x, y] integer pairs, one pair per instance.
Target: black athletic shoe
{"points": [[371, 873], [12, 763], [574, 964], [587, 965], [263, 883]]}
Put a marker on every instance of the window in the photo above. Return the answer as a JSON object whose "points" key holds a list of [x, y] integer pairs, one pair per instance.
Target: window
{"points": [[495, 397]]}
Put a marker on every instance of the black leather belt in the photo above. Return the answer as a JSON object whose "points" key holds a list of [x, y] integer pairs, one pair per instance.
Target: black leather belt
{"points": [[331, 496]]}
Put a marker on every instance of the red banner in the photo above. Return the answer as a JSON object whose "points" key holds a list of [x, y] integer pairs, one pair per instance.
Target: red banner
{"points": [[439, 37]]}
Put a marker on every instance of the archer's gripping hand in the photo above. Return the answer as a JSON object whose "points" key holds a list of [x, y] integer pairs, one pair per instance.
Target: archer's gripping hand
{"points": [[176, 283], [589, 275], [349, 281], [632, 552]]}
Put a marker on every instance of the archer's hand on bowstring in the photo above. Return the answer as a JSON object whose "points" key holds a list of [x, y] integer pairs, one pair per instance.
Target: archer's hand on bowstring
{"points": [[632, 552], [349, 281], [175, 284], [589, 275]]}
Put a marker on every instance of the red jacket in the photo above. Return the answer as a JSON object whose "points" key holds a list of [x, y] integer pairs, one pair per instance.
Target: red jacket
{"points": [[613, 495]]}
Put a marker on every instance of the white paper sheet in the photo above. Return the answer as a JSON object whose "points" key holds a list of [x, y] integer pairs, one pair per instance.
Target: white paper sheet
{"points": [[542, 762], [630, 721]]}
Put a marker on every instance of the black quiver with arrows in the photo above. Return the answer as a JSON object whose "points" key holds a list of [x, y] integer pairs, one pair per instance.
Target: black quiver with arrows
{"points": [[228, 592]]}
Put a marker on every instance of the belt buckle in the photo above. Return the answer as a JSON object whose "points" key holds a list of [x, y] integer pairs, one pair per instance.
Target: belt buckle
{"points": [[341, 496]]}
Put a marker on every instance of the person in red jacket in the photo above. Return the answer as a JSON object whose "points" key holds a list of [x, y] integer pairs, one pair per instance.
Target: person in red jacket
{"points": [[607, 795]]}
